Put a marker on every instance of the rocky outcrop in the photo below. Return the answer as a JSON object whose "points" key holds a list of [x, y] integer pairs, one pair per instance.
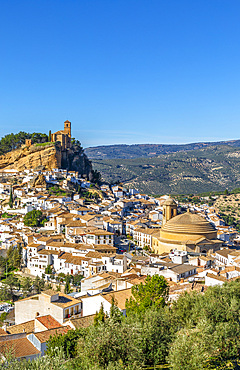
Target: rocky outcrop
{"points": [[74, 159], [39, 180], [47, 156], [33, 157]]}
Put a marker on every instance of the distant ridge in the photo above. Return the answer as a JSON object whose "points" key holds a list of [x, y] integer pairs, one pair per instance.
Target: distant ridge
{"points": [[148, 150], [209, 168]]}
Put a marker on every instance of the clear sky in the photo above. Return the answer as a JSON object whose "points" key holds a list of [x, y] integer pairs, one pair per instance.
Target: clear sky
{"points": [[122, 71]]}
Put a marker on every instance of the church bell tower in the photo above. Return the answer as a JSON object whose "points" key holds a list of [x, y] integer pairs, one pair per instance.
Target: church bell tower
{"points": [[169, 210], [67, 128]]}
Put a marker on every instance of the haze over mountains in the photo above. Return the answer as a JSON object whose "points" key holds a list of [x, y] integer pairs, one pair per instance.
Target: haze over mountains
{"points": [[173, 169]]}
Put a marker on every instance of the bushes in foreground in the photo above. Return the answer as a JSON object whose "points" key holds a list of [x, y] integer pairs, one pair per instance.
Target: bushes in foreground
{"points": [[195, 332]]}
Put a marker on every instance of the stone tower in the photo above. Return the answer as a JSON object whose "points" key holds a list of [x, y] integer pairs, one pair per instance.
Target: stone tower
{"points": [[67, 128], [169, 210], [63, 136]]}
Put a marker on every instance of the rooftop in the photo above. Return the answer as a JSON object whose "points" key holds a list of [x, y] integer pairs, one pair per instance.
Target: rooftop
{"points": [[49, 322], [119, 296], [189, 223], [19, 348], [45, 335], [82, 322], [26, 327]]}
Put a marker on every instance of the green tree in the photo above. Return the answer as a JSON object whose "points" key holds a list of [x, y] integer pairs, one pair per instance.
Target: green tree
{"points": [[61, 277], [157, 334], [3, 316], [11, 199], [10, 283], [67, 288], [27, 284], [50, 136], [48, 269], [4, 293], [34, 218], [16, 257], [112, 344], [115, 313], [154, 293], [14, 141], [210, 319], [67, 342], [77, 279], [39, 284], [100, 316], [190, 350], [13, 259], [56, 362]]}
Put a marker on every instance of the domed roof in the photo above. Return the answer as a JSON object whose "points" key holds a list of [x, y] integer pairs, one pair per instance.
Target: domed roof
{"points": [[169, 202], [188, 223]]}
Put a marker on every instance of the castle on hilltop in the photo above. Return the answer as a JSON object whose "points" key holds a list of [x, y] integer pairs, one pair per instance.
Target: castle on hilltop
{"points": [[64, 136]]}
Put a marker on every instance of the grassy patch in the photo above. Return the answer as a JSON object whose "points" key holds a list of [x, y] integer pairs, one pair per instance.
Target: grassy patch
{"points": [[45, 144]]}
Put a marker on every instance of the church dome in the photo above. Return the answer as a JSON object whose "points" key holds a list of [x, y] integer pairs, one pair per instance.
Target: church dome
{"points": [[188, 223], [187, 227]]}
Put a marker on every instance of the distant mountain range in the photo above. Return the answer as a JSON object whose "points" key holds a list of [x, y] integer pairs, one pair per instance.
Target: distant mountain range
{"points": [[148, 150], [173, 169]]}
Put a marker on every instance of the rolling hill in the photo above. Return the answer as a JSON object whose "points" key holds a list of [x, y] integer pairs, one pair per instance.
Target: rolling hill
{"points": [[148, 150], [208, 168]]}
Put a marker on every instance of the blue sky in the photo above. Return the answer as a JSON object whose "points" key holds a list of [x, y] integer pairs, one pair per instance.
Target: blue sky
{"points": [[122, 71]]}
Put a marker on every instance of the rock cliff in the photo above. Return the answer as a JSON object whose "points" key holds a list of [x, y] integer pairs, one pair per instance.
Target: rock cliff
{"points": [[46, 156]]}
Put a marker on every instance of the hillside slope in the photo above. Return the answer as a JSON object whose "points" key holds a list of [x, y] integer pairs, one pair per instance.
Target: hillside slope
{"points": [[212, 168], [148, 150]]}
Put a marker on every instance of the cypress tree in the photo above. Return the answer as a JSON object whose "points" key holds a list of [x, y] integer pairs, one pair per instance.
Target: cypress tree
{"points": [[11, 199]]}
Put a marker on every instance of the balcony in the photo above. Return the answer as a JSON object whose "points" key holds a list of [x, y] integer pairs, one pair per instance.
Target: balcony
{"points": [[73, 316]]}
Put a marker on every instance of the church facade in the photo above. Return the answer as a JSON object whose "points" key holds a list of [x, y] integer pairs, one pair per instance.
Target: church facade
{"points": [[63, 136]]}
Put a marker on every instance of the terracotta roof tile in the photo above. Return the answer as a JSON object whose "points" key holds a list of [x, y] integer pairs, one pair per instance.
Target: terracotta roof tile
{"points": [[82, 322], [19, 347], [120, 297], [49, 322], [44, 336], [27, 327]]}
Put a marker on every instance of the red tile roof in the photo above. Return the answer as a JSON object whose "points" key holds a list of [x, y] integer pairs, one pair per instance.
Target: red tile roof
{"points": [[21, 347], [49, 322], [45, 335]]}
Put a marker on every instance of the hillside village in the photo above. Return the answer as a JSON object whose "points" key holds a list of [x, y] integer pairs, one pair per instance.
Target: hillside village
{"points": [[110, 236]]}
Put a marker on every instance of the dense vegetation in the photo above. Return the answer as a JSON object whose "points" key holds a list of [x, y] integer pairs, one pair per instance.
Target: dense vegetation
{"points": [[198, 331], [14, 141], [13, 285], [214, 168], [34, 218]]}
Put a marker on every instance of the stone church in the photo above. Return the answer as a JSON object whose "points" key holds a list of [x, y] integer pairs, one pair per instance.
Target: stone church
{"points": [[185, 232], [64, 136]]}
